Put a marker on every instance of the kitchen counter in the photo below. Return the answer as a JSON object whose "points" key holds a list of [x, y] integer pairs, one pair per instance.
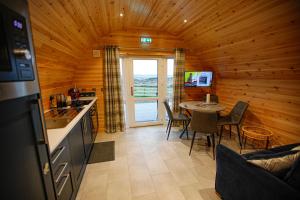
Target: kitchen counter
{"points": [[56, 136]]}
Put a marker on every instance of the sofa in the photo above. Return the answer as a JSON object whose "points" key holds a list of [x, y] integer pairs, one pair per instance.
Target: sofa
{"points": [[237, 179]]}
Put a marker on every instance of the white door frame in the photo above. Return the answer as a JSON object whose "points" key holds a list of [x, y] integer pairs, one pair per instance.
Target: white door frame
{"points": [[128, 81]]}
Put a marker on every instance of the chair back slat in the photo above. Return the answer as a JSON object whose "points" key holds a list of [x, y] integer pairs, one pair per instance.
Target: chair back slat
{"points": [[238, 111], [169, 112], [204, 122]]}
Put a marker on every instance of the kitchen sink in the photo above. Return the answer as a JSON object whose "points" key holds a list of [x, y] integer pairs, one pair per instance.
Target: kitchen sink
{"points": [[57, 123]]}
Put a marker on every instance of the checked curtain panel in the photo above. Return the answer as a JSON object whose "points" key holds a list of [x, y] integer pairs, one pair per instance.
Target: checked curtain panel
{"points": [[114, 113]]}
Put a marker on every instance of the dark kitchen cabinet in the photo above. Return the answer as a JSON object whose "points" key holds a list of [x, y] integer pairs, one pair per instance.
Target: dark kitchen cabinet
{"points": [[69, 159], [25, 169], [62, 175], [77, 153], [87, 133]]}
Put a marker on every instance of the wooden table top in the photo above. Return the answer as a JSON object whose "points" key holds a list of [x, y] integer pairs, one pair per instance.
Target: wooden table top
{"points": [[202, 106]]}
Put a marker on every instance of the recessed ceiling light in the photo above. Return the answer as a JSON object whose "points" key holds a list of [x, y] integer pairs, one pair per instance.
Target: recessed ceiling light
{"points": [[121, 14], [185, 21]]}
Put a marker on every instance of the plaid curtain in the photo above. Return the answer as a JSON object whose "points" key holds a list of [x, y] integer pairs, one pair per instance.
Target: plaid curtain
{"points": [[114, 113], [178, 79]]}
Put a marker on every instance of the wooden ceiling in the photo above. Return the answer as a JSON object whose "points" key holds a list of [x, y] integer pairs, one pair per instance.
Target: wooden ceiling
{"points": [[78, 23]]}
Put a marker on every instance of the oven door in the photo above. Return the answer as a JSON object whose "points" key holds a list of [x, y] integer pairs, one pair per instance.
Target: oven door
{"points": [[94, 116], [8, 71]]}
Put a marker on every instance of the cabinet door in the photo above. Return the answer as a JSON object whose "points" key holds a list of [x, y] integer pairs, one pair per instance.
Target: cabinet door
{"points": [[87, 133], [23, 151], [61, 167], [77, 152]]}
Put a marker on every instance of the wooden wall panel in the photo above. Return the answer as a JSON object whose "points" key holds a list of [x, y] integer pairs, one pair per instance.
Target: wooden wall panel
{"points": [[273, 103], [255, 52], [130, 39], [55, 68], [89, 76]]}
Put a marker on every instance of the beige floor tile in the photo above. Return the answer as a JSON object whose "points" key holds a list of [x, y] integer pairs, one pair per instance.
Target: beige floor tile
{"points": [[209, 194], [119, 190], [191, 192], [94, 186], [136, 161], [155, 164], [140, 181], [184, 177], [148, 167], [166, 187], [152, 196]]}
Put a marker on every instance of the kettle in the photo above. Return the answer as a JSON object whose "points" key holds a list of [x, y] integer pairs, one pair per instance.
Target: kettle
{"points": [[61, 100]]}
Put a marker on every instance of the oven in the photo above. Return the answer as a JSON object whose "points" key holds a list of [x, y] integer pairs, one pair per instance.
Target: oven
{"points": [[94, 116], [85, 99], [15, 55]]}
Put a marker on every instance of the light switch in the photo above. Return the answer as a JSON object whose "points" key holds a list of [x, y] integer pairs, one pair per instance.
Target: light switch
{"points": [[96, 53]]}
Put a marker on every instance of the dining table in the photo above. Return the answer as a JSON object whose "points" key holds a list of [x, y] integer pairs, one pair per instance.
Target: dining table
{"points": [[201, 106]]}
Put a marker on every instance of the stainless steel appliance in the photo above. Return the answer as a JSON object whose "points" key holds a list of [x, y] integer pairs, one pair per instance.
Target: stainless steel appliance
{"points": [[94, 117], [15, 57], [25, 169], [93, 111]]}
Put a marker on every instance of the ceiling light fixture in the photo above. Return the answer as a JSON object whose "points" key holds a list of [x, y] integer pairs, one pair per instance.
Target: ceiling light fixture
{"points": [[122, 12], [185, 21]]}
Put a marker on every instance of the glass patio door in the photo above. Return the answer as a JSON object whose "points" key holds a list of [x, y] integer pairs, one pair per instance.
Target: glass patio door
{"points": [[145, 90]]}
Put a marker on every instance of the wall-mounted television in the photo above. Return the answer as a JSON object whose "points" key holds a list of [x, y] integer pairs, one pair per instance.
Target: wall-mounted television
{"points": [[198, 79]]}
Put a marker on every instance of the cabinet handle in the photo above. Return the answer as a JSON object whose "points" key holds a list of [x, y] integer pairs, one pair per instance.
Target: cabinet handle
{"points": [[46, 168], [63, 185], [60, 152], [62, 172]]}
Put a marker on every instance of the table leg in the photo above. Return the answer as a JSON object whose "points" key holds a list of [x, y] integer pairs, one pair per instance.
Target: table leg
{"points": [[208, 141], [185, 129], [189, 113]]}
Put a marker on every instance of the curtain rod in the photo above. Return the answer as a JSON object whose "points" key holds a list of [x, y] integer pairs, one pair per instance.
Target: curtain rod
{"points": [[145, 48]]}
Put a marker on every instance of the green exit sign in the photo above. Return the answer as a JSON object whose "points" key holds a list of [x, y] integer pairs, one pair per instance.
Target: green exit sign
{"points": [[146, 40]]}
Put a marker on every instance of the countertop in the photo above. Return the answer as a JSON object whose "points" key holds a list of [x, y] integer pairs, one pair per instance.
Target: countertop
{"points": [[56, 136]]}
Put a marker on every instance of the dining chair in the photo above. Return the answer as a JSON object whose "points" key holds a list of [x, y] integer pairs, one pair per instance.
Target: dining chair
{"points": [[176, 117], [234, 118], [204, 123], [213, 98]]}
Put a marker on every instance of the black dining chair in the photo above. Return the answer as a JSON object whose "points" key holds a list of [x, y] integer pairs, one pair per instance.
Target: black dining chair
{"points": [[213, 98], [204, 123], [234, 118], [176, 117]]}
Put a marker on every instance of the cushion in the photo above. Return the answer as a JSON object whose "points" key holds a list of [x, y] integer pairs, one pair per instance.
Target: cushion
{"points": [[297, 148], [293, 176], [268, 154], [278, 166]]}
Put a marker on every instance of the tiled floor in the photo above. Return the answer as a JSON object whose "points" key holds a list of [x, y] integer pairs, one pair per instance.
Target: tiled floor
{"points": [[148, 167]]}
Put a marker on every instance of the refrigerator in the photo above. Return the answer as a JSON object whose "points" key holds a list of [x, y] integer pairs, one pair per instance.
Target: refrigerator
{"points": [[25, 169]]}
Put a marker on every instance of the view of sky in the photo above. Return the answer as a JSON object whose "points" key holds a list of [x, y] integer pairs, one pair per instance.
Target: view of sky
{"points": [[149, 67], [145, 67]]}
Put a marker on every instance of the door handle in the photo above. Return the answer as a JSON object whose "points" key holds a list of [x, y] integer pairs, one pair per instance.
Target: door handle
{"points": [[37, 113], [131, 90]]}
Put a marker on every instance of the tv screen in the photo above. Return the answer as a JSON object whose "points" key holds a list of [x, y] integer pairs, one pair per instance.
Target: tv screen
{"points": [[198, 79]]}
